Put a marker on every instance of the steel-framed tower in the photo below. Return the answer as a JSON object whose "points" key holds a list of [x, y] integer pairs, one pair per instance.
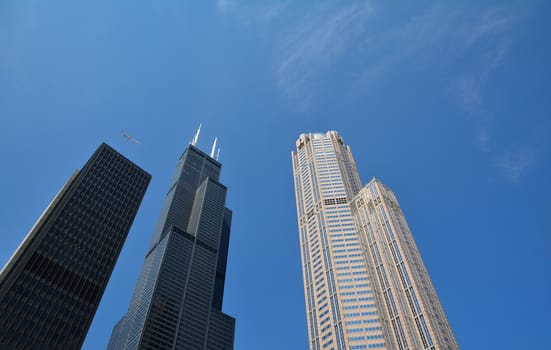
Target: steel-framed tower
{"points": [[51, 287], [177, 302]]}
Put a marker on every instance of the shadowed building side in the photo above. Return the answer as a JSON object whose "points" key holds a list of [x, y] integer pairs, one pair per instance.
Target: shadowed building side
{"points": [[51, 287]]}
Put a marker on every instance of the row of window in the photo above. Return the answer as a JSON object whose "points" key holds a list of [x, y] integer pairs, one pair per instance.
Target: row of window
{"points": [[356, 307], [369, 346], [358, 292], [355, 322], [366, 337], [353, 300], [358, 314]]}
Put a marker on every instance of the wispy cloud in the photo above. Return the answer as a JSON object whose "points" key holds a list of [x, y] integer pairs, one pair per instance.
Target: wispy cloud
{"points": [[249, 13], [469, 43], [224, 5], [492, 38], [443, 33], [488, 40], [309, 42], [470, 90], [470, 86], [312, 45], [514, 164], [493, 21], [391, 48]]}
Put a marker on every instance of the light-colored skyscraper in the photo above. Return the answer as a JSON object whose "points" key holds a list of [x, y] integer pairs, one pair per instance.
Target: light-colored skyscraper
{"points": [[365, 284]]}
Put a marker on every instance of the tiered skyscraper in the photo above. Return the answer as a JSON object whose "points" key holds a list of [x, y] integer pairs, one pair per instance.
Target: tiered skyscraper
{"points": [[51, 287], [177, 302], [365, 284]]}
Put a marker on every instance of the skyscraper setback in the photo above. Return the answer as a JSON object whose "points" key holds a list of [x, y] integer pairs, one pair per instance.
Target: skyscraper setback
{"points": [[177, 302], [365, 284], [51, 287]]}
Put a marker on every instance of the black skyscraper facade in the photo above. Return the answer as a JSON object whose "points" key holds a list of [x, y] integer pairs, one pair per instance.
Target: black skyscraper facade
{"points": [[178, 298], [51, 287]]}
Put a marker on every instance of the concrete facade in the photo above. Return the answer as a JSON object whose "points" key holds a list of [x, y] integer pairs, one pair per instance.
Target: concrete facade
{"points": [[348, 301]]}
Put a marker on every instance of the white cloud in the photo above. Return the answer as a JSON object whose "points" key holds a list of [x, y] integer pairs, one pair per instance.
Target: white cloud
{"points": [[440, 33], [491, 37], [314, 42], [470, 86], [315, 36], [483, 138], [317, 39], [224, 5], [269, 13], [470, 89], [514, 164], [252, 13], [492, 22]]}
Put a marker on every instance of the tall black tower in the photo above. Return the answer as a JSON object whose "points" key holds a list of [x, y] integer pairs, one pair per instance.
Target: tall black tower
{"points": [[178, 298], [51, 287]]}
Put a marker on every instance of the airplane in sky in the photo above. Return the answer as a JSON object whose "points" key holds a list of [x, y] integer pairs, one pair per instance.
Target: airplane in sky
{"points": [[129, 137]]}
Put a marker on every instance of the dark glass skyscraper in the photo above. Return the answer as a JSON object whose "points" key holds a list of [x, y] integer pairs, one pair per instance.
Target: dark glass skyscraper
{"points": [[51, 287], [178, 298]]}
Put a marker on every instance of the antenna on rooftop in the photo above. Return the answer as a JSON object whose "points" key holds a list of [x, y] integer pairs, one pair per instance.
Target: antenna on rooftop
{"points": [[213, 147], [196, 137], [218, 153]]}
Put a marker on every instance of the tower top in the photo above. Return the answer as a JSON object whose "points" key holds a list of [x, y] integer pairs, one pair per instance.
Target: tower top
{"points": [[196, 137], [214, 151]]}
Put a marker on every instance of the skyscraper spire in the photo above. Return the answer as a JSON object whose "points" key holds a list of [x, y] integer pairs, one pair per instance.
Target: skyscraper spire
{"points": [[196, 137], [213, 147]]}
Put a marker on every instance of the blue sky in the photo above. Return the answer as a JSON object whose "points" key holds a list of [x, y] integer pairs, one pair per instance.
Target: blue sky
{"points": [[448, 103]]}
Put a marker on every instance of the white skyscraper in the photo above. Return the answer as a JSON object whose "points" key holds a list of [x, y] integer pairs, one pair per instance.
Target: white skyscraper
{"points": [[365, 284]]}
